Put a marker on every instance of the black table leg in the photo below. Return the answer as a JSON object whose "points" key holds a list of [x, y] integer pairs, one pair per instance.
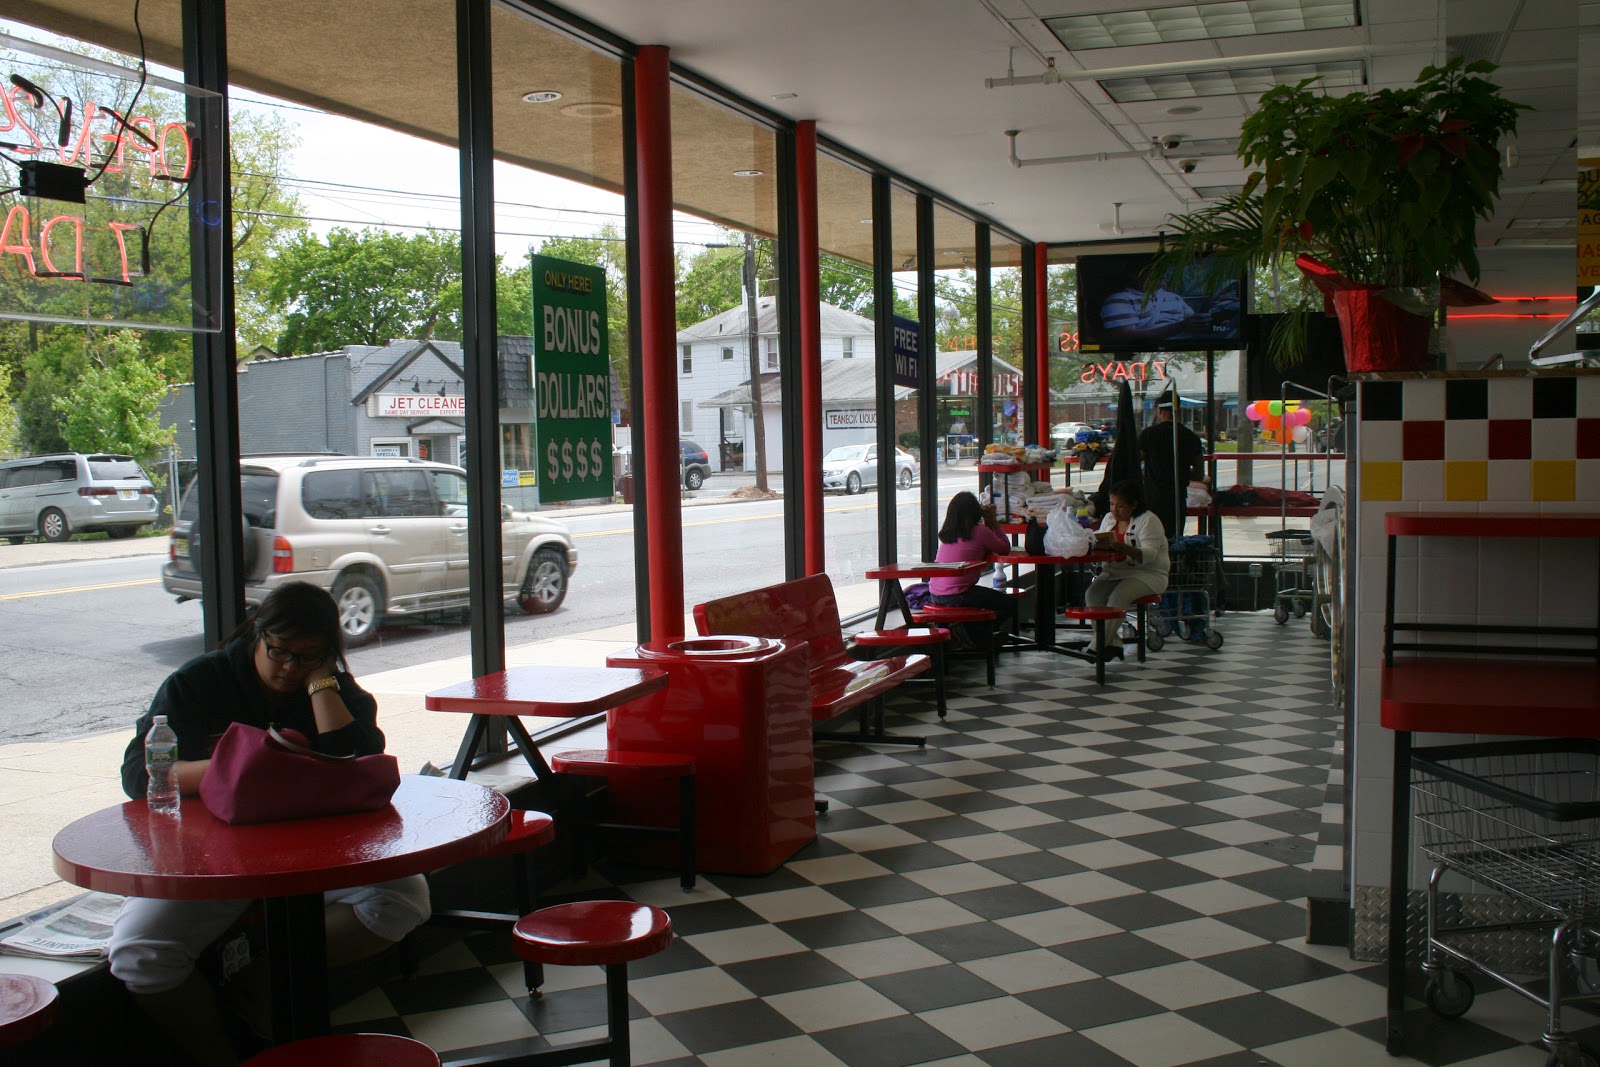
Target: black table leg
{"points": [[477, 730], [297, 961], [1044, 605]]}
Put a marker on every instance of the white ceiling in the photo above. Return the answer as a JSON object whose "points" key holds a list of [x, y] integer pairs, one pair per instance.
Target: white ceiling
{"points": [[903, 82]]}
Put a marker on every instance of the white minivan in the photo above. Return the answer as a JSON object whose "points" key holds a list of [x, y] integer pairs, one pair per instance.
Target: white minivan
{"points": [[54, 497]]}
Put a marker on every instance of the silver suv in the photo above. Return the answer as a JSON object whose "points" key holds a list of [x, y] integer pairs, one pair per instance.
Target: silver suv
{"points": [[71, 492], [384, 536]]}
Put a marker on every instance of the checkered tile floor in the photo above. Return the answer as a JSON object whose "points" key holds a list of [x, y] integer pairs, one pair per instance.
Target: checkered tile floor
{"points": [[1067, 874]]}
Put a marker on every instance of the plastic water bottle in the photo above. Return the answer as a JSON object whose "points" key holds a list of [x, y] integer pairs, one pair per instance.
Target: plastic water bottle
{"points": [[161, 762]]}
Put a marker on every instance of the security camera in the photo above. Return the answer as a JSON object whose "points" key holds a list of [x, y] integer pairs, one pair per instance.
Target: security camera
{"points": [[1171, 141], [1188, 166]]}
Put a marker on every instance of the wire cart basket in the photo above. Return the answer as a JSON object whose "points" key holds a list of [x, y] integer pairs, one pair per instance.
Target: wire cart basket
{"points": [[1192, 593], [1521, 818], [1294, 574]]}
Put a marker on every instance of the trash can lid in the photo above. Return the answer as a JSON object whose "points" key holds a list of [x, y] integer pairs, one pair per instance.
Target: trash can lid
{"points": [[716, 646]]}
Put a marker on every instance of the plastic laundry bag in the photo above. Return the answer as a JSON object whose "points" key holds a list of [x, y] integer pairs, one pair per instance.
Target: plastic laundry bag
{"points": [[1063, 536]]}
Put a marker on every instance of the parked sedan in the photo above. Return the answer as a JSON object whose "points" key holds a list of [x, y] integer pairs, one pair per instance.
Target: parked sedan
{"points": [[852, 468]]}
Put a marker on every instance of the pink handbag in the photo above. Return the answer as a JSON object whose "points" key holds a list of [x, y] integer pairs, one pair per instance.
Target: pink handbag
{"points": [[266, 775]]}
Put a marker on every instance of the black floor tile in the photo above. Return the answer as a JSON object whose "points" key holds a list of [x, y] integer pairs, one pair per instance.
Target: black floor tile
{"points": [[1271, 966], [898, 1042], [934, 987], [1256, 1020], [1138, 912], [744, 1022], [1116, 954], [1083, 1005], [784, 974]]}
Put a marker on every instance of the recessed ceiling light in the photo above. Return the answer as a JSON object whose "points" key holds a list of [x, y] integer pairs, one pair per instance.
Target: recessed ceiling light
{"points": [[1184, 109], [784, 96], [592, 109], [748, 173], [950, 252], [866, 222], [541, 96], [1342, 74]]}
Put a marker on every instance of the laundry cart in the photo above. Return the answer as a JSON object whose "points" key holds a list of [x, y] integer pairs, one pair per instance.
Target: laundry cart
{"points": [[1522, 819], [1192, 601]]}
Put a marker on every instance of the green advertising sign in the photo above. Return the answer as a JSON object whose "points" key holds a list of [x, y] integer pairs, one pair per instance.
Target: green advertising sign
{"points": [[572, 380]]}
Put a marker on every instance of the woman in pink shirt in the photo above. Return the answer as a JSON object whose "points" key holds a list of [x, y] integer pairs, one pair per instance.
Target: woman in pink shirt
{"points": [[970, 532]]}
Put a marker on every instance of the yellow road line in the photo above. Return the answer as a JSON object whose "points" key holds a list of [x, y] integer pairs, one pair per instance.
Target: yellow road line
{"points": [[79, 589]]}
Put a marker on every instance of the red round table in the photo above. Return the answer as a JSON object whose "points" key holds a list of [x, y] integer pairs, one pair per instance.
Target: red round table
{"points": [[430, 823]]}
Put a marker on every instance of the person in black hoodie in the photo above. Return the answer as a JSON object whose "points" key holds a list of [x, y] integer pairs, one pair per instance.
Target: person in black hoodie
{"points": [[284, 666]]}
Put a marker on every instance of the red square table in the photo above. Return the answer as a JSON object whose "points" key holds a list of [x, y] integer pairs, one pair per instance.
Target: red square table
{"points": [[553, 692], [892, 596], [430, 823]]}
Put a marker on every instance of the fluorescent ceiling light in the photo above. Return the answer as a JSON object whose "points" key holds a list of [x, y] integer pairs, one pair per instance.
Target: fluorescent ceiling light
{"points": [[1200, 22], [1217, 192], [1534, 242], [1340, 75], [1542, 224]]}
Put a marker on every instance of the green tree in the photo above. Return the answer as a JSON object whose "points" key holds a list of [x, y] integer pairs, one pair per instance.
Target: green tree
{"points": [[367, 288], [113, 406], [9, 433]]}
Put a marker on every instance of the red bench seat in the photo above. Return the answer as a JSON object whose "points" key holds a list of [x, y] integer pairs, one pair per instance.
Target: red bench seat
{"points": [[806, 610]]}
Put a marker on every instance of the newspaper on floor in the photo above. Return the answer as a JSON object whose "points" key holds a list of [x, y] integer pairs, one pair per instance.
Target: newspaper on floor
{"points": [[79, 929]]}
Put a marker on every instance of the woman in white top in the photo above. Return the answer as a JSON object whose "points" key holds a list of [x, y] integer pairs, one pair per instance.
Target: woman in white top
{"points": [[1137, 537]]}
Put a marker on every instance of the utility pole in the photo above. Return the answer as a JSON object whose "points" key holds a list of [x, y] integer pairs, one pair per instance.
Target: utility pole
{"points": [[757, 419]]}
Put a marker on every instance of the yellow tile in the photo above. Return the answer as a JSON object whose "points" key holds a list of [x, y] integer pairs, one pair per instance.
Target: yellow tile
{"points": [[1466, 479], [1555, 479], [1380, 480]]}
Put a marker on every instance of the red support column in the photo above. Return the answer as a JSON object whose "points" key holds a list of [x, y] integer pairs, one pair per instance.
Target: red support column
{"points": [[809, 470], [1041, 324], [657, 333]]}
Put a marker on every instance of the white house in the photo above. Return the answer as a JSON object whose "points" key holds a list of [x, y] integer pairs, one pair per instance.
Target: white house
{"points": [[713, 358]]}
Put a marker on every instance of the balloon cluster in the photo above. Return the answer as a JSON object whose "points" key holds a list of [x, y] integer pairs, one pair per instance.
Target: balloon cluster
{"points": [[1273, 415]]}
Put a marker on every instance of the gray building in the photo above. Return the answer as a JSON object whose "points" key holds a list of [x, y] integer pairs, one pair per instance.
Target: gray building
{"points": [[405, 398]]}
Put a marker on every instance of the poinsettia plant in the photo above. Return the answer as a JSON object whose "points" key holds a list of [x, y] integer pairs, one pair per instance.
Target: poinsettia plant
{"points": [[1386, 188]]}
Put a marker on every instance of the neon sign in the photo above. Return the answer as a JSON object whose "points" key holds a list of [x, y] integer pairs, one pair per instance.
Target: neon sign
{"points": [[68, 245], [1122, 370]]}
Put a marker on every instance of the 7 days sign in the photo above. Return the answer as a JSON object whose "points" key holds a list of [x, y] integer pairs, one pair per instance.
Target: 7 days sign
{"points": [[572, 380]]}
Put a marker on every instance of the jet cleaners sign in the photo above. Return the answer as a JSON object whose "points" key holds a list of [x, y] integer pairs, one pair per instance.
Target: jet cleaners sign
{"points": [[572, 377]]}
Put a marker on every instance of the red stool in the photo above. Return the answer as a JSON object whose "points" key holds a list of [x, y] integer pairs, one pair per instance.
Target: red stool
{"points": [[1139, 606], [931, 639], [636, 766], [1101, 617], [27, 1008], [348, 1050], [947, 614], [604, 933]]}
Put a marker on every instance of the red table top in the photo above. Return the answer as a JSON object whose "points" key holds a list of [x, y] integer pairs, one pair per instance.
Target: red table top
{"points": [[896, 571], [430, 823], [550, 691], [1490, 524]]}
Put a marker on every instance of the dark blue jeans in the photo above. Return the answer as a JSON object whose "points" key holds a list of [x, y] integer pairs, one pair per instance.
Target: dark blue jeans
{"points": [[982, 596]]}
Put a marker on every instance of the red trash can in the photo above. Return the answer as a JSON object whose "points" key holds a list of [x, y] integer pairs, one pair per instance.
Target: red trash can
{"points": [[741, 706]]}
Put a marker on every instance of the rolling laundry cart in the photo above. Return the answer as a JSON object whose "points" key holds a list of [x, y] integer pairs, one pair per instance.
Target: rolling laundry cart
{"points": [[1189, 605], [1521, 818]]}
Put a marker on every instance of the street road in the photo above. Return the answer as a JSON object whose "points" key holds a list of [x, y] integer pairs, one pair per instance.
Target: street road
{"points": [[84, 644]]}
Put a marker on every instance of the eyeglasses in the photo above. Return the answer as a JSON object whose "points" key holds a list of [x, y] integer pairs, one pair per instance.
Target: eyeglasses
{"points": [[278, 654]]}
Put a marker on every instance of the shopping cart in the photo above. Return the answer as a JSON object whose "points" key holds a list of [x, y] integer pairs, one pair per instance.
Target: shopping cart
{"points": [[1294, 573], [1187, 606], [1521, 818]]}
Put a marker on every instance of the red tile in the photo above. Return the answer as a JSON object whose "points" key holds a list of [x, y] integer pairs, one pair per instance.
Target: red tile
{"points": [[1510, 439], [1423, 440], [1589, 438]]}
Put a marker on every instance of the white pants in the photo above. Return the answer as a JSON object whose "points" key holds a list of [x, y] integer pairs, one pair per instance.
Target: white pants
{"points": [[154, 943], [1121, 593]]}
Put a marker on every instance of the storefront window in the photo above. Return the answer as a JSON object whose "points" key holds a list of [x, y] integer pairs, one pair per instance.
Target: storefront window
{"points": [[1005, 295], [732, 408]]}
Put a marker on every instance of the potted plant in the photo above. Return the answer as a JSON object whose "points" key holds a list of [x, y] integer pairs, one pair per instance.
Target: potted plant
{"points": [[1377, 194]]}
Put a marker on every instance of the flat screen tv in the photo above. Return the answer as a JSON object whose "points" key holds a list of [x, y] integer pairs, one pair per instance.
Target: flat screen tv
{"points": [[1184, 315]]}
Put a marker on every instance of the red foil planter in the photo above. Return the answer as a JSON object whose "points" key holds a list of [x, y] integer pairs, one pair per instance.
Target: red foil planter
{"points": [[1378, 335]]}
